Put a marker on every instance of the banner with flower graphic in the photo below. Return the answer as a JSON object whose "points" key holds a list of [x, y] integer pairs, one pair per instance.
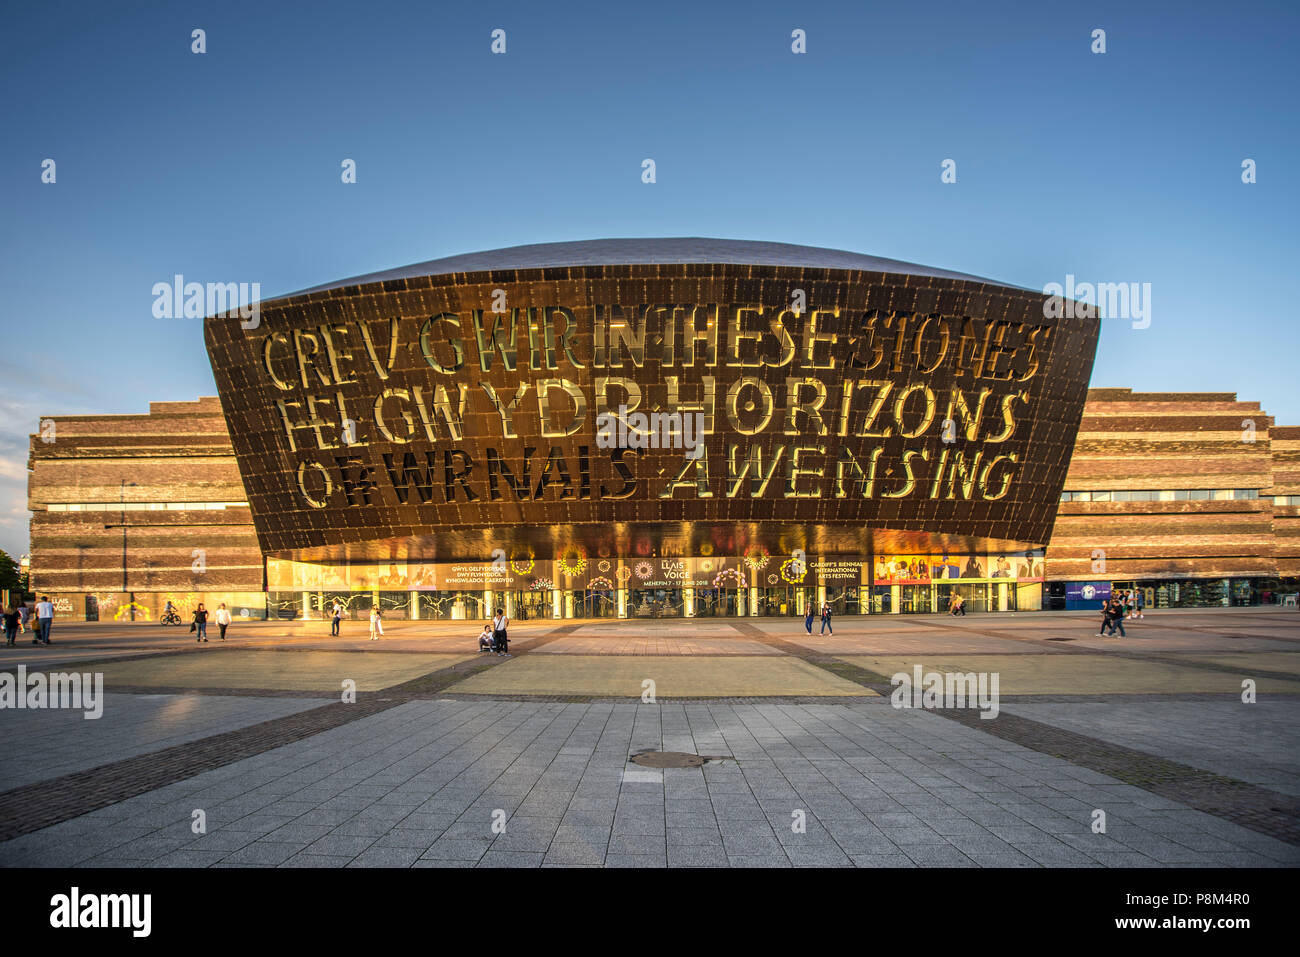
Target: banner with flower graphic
{"points": [[578, 571]]}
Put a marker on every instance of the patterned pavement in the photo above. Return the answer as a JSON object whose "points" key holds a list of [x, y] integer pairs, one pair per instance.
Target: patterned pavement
{"points": [[451, 759]]}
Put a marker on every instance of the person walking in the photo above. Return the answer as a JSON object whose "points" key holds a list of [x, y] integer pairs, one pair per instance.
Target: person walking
{"points": [[826, 619], [1141, 603], [336, 616], [22, 617], [499, 637], [223, 620], [201, 623], [807, 622], [1117, 618], [11, 625], [1105, 619], [376, 624], [44, 619]]}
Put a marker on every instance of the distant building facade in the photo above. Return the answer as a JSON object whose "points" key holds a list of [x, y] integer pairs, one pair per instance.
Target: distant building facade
{"points": [[131, 511], [630, 428], [1192, 498], [1201, 548]]}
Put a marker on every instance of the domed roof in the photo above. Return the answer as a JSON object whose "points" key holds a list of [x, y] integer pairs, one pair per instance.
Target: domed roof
{"points": [[619, 252]]}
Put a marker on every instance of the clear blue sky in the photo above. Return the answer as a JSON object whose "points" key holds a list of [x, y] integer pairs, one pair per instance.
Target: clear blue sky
{"points": [[225, 166]]}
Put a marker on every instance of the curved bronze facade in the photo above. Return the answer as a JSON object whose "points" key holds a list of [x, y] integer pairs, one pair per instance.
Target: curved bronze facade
{"points": [[442, 414]]}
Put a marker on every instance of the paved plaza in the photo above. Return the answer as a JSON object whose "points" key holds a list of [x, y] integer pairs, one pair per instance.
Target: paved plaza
{"points": [[797, 755]]}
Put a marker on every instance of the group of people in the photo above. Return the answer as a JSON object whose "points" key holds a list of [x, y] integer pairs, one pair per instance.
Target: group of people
{"points": [[957, 605], [16, 618], [1133, 601], [336, 620], [199, 623], [493, 637], [1121, 605], [825, 616]]}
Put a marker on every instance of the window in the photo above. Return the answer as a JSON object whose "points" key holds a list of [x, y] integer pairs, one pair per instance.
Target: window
{"points": [[143, 506], [1101, 496]]}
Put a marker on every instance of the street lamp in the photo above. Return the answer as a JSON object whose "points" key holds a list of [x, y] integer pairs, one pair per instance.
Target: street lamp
{"points": [[130, 598]]}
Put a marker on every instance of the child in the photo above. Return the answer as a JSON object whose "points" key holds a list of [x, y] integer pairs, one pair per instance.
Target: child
{"points": [[485, 642]]}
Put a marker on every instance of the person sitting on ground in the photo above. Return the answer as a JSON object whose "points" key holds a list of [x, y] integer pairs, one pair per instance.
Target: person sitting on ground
{"points": [[485, 642]]}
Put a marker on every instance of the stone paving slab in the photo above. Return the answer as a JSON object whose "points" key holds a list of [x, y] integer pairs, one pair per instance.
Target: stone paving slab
{"points": [[1258, 743], [661, 628], [322, 671], [673, 677], [407, 779], [906, 641], [1079, 674], [57, 654], [1281, 662], [50, 801], [38, 745], [85, 641], [586, 641], [419, 784]]}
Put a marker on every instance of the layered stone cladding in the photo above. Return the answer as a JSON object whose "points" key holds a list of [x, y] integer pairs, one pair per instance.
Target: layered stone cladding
{"points": [[1136, 441], [179, 453]]}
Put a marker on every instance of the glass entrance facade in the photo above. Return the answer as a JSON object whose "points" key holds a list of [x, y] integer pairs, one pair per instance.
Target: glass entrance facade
{"points": [[701, 587]]}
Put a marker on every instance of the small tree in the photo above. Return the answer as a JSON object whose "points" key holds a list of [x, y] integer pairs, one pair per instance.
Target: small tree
{"points": [[11, 577]]}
